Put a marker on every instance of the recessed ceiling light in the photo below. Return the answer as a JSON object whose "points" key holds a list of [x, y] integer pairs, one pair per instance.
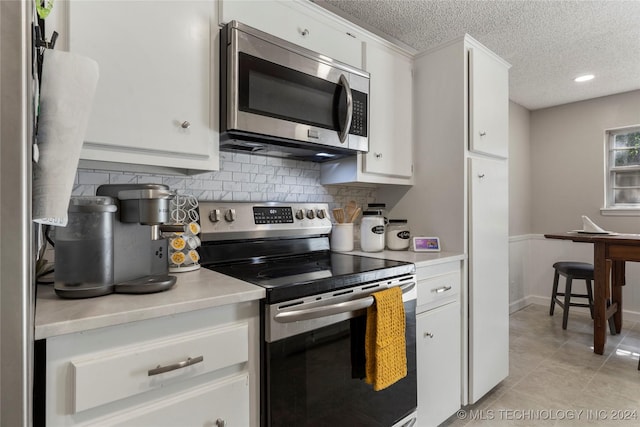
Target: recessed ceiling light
{"points": [[584, 78]]}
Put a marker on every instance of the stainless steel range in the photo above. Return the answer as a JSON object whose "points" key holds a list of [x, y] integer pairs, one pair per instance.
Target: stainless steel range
{"points": [[313, 317]]}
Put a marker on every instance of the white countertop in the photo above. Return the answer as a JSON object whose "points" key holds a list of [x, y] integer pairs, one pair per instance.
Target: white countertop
{"points": [[420, 259], [193, 291]]}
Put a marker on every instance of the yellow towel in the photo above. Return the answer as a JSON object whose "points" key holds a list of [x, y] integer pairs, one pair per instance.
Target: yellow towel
{"points": [[385, 344]]}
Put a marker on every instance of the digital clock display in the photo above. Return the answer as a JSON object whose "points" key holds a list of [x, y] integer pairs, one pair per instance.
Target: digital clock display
{"points": [[272, 215]]}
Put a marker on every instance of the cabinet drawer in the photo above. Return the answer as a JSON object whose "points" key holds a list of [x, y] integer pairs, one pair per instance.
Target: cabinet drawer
{"points": [[104, 377], [438, 288], [224, 402]]}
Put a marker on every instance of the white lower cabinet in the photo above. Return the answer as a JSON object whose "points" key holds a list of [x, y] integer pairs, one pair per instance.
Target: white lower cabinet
{"points": [[438, 351], [438, 343], [223, 403], [193, 369]]}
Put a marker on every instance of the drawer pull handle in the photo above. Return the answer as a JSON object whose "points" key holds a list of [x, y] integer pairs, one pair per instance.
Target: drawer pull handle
{"points": [[441, 290], [162, 369]]}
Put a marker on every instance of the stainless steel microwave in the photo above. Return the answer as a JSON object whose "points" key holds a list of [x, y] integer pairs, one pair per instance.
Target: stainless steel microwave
{"points": [[280, 99]]}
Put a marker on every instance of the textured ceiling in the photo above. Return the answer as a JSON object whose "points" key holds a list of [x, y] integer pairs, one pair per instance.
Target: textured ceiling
{"points": [[547, 42]]}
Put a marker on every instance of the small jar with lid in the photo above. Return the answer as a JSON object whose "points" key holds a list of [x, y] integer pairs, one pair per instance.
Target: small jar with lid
{"points": [[372, 231], [382, 207], [398, 235]]}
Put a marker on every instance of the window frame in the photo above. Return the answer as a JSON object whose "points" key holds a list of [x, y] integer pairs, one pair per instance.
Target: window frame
{"points": [[610, 207]]}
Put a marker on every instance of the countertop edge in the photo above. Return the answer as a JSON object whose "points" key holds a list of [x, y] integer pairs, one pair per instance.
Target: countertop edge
{"points": [[193, 291], [420, 259]]}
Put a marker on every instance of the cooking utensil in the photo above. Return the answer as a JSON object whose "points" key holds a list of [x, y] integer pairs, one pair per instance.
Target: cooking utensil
{"points": [[349, 209], [338, 215], [354, 215]]}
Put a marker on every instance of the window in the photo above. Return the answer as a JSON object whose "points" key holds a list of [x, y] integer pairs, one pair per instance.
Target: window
{"points": [[623, 168]]}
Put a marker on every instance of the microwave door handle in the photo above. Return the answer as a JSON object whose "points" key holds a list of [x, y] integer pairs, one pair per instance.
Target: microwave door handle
{"points": [[347, 123]]}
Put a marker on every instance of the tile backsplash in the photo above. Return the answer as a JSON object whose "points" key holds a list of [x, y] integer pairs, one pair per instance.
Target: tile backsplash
{"points": [[242, 177]]}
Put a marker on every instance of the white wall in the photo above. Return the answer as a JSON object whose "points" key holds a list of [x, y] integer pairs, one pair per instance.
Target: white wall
{"points": [[566, 146], [567, 162], [519, 170]]}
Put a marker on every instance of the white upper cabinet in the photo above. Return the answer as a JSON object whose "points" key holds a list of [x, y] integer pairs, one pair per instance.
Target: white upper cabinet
{"points": [[390, 156], [390, 119], [154, 103], [488, 103], [305, 25]]}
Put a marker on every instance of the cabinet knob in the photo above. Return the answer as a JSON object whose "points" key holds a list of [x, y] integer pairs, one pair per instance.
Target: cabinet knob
{"points": [[428, 335], [220, 423], [185, 125], [378, 155], [483, 133], [304, 32]]}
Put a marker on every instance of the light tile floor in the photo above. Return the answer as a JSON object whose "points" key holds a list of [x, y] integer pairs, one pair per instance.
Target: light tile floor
{"points": [[555, 379]]}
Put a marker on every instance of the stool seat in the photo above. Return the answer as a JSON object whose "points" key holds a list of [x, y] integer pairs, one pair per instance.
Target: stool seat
{"points": [[571, 270], [578, 270]]}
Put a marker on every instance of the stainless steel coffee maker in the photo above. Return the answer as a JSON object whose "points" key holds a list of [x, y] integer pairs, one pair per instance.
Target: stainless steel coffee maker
{"points": [[112, 242]]}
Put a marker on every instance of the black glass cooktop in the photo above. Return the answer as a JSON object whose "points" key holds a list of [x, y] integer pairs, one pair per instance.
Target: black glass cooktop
{"points": [[291, 277]]}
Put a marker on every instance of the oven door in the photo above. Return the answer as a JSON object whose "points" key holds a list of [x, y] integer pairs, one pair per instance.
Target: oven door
{"points": [[274, 90], [316, 377]]}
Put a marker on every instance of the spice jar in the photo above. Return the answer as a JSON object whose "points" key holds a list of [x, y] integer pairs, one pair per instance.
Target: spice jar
{"points": [[397, 235], [372, 231]]}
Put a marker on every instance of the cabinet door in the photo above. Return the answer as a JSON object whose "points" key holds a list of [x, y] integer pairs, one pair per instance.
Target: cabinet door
{"points": [[223, 403], [390, 123], [438, 352], [153, 102], [488, 275], [303, 26], [488, 103]]}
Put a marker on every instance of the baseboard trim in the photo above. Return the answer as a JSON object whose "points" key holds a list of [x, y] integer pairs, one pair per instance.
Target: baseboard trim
{"points": [[627, 316]]}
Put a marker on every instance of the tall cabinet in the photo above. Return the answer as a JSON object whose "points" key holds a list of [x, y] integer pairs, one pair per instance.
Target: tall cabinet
{"points": [[461, 193]]}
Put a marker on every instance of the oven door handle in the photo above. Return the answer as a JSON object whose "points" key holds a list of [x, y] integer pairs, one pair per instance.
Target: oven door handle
{"points": [[329, 310]]}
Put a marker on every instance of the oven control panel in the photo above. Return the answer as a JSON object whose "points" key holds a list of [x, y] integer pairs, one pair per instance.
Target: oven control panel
{"points": [[238, 220]]}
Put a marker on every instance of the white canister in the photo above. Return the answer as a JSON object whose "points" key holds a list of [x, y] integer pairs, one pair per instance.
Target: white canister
{"points": [[341, 237], [372, 231], [398, 235]]}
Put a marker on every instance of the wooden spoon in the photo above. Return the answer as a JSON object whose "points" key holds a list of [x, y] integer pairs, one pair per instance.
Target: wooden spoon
{"points": [[355, 215], [350, 208], [338, 215]]}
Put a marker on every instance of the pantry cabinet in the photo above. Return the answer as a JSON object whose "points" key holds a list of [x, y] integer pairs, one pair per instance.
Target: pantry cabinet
{"points": [[461, 192], [193, 369], [438, 342], [156, 98], [488, 103], [305, 25]]}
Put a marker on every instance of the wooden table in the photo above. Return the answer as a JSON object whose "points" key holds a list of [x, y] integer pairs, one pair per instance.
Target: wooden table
{"points": [[610, 252]]}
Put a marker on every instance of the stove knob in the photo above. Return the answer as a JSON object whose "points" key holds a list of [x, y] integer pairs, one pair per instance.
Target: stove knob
{"points": [[300, 214], [214, 215], [230, 215], [311, 214], [320, 214]]}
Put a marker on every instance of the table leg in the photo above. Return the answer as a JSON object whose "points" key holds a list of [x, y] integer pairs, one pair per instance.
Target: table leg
{"points": [[618, 281], [600, 283]]}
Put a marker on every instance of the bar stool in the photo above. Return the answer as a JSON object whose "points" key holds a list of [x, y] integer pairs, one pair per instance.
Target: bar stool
{"points": [[571, 270]]}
